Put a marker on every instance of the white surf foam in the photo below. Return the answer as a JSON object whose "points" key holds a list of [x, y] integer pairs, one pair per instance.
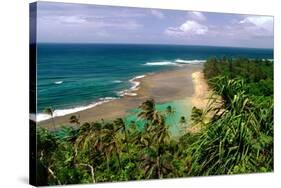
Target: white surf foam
{"points": [[126, 93], [42, 117], [177, 62], [159, 63], [135, 86], [271, 60], [117, 81], [135, 82], [62, 112], [195, 61], [58, 82]]}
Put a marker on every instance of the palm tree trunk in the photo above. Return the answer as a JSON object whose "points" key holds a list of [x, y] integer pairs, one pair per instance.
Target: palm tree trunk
{"points": [[158, 162], [53, 175], [107, 162], [92, 171], [158, 167], [54, 126], [118, 158], [128, 152], [127, 145], [73, 163]]}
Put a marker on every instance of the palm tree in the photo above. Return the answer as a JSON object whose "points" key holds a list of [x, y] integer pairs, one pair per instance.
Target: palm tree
{"points": [[74, 119], [90, 136], [197, 116], [159, 132], [89, 139], [141, 139], [50, 111], [160, 137], [170, 112], [110, 143], [150, 162], [182, 121], [149, 112], [120, 125]]}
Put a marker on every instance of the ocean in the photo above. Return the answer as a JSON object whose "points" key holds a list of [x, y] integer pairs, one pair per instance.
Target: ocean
{"points": [[73, 77]]}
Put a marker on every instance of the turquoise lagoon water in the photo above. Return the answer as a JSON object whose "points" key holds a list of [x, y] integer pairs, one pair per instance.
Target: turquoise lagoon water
{"points": [[181, 108]]}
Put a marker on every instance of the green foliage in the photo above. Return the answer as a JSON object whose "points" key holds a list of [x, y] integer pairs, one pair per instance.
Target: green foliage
{"points": [[74, 119], [257, 74], [241, 139]]}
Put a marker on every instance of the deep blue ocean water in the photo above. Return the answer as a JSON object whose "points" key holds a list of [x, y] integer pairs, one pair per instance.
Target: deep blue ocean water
{"points": [[72, 76]]}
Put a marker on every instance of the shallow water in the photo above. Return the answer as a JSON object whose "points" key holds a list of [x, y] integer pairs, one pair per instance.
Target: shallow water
{"points": [[176, 129]]}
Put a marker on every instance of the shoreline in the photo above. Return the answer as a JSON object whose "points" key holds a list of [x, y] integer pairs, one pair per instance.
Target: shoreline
{"points": [[132, 91], [201, 90], [200, 99], [162, 86]]}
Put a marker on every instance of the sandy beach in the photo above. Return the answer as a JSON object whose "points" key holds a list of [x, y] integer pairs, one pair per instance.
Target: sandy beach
{"points": [[162, 87], [201, 90]]}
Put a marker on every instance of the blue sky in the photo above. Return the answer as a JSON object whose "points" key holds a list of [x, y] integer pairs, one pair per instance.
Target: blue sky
{"points": [[82, 23]]}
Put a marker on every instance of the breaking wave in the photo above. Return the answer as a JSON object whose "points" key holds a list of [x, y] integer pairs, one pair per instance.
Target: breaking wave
{"points": [[157, 63], [177, 62], [135, 86], [58, 82], [63, 112]]}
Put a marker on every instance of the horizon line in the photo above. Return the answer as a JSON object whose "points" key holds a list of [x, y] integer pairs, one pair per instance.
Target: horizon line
{"points": [[171, 44]]}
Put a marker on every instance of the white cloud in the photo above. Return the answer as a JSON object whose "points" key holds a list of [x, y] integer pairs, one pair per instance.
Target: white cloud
{"points": [[258, 20], [190, 27], [91, 22], [157, 13], [253, 23], [71, 19], [199, 16], [121, 24]]}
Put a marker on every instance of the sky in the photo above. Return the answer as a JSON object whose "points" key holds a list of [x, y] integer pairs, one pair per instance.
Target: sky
{"points": [[84, 23]]}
